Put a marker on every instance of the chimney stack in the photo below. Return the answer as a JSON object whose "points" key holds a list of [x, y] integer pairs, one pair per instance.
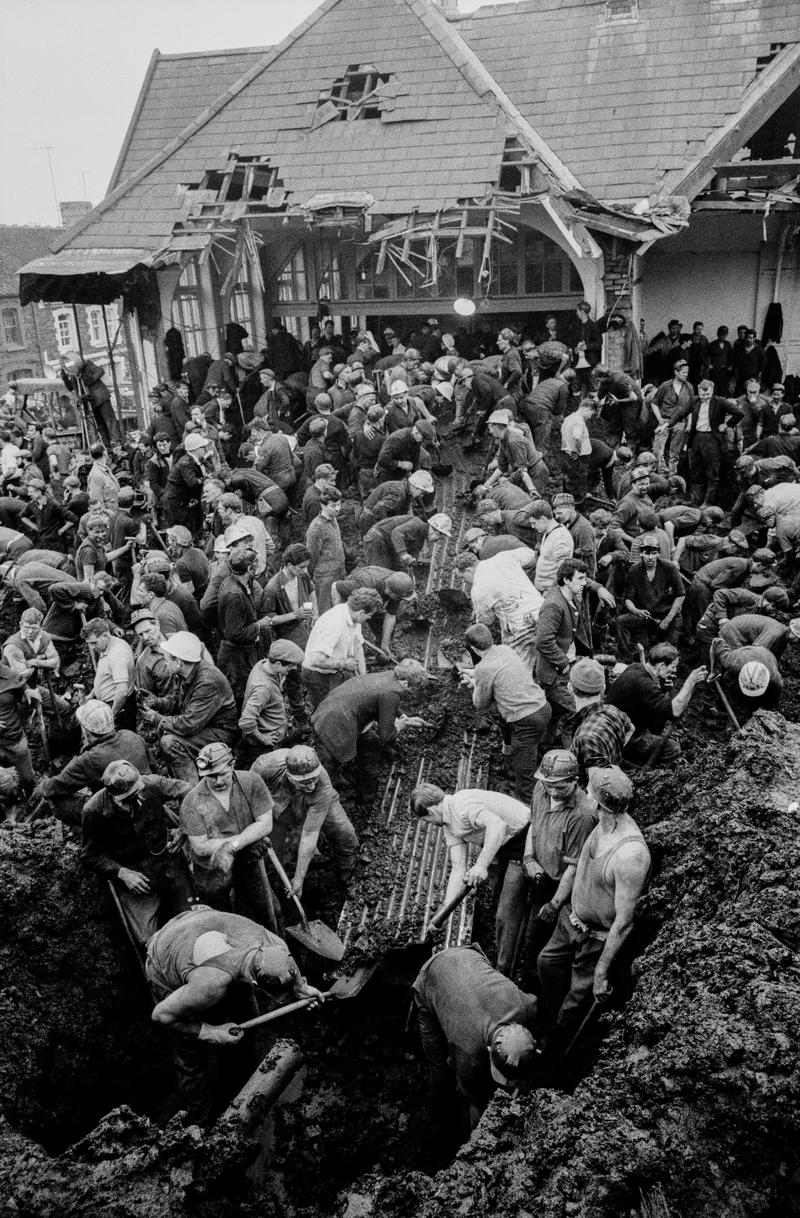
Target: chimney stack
{"points": [[73, 211]]}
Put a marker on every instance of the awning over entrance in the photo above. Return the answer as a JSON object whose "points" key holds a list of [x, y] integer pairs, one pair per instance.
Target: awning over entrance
{"points": [[83, 276]]}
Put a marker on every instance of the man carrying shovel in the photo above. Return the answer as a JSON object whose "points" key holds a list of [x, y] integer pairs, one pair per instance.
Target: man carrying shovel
{"points": [[204, 968], [226, 817]]}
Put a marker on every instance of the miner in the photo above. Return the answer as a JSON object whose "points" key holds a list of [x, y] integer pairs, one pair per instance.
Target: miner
{"points": [[204, 968], [475, 1026], [583, 957]]}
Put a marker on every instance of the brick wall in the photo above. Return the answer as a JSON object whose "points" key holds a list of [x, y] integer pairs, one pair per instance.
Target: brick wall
{"points": [[617, 259], [16, 359]]}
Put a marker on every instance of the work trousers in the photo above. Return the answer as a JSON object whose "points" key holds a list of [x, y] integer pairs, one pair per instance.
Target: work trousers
{"points": [[623, 420], [236, 663], [248, 892], [575, 476], [667, 449], [16, 753], [602, 461], [566, 969], [524, 736], [705, 455], [208, 1075], [509, 893], [561, 699], [172, 892], [632, 630], [539, 476], [319, 684], [640, 748], [540, 421]]}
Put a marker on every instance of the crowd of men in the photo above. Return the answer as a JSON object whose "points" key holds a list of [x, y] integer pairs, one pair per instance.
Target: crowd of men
{"points": [[619, 533]]}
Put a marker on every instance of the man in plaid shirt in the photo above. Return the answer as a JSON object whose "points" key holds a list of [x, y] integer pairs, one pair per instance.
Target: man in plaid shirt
{"points": [[601, 730]]}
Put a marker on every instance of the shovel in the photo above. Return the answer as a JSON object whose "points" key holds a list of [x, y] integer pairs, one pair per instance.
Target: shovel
{"points": [[343, 987], [454, 598], [316, 936], [444, 911]]}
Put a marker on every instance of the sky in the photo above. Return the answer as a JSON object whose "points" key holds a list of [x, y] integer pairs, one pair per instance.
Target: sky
{"points": [[71, 73]]}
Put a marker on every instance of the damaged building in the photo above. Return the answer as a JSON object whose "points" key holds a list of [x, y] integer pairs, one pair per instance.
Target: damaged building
{"points": [[391, 157]]}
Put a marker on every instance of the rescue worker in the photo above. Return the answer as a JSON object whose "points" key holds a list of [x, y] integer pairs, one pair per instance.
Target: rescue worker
{"points": [[582, 957], [114, 671], [397, 541], [562, 817], [643, 692], [204, 968], [200, 711], [130, 837], [225, 818], [335, 647], [359, 720], [396, 589], [264, 720], [305, 806], [498, 824], [102, 743], [475, 1026], [501, 678], [324, 544]]}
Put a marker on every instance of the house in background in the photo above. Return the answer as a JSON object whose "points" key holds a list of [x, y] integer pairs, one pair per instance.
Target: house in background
{"points": [[33, 337], [391, 157]]}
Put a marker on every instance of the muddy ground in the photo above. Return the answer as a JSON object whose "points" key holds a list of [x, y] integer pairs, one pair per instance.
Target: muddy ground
{"points": [[689, 1102]]}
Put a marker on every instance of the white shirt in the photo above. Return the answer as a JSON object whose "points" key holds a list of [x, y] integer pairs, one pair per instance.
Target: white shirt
{"points": [[465, 815], [703, 423], [575, 435], [114, 667], [8, 459], [336, 636], [554, 548]]}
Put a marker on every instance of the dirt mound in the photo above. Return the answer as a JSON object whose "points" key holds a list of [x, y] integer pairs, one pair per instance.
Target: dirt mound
{"points": [[73, 1007], [696, 1088]]}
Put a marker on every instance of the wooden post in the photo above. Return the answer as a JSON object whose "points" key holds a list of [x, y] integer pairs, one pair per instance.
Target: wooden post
{"points": [[113, 369]]}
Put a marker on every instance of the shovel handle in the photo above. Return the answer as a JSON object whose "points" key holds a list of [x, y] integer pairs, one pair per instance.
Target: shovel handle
{"points": [[444, 912], [268, 1018], [284, 879]]}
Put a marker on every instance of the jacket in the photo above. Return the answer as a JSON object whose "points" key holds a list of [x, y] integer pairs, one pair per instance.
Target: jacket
{"points": [[203, 700], [113, 839], [342, 716], [719, 411], [555, 636]]}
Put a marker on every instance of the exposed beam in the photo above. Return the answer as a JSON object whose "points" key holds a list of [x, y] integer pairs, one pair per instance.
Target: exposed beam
{"points": [[771, 89]]}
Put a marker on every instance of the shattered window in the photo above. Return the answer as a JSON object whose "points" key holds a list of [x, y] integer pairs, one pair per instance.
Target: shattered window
{"points": [[360, 93], [186, 315], [293, 281], [548, 270]]}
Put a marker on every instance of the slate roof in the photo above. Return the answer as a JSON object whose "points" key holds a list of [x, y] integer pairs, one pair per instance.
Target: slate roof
{"points": [[618, 108], [19, 244], [176, 88], [626, 103], [446, 128]]}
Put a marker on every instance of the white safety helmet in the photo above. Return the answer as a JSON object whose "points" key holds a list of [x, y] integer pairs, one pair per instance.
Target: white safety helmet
{"points": [[754, 679], [442, 523], [183, 645]]}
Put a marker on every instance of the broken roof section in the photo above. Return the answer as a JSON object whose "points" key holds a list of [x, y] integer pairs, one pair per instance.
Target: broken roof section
{"points": [[630, 104], [441, 139]]}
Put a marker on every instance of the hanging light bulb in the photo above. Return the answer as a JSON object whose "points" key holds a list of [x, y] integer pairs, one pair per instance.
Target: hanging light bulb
{"points": [[464, 307]]}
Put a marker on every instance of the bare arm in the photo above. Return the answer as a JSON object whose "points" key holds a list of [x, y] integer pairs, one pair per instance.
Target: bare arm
{"points": [[629, 869], [204, 847]]}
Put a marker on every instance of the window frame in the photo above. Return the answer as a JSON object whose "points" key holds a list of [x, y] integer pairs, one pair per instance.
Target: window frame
{"points": [[65, 316], [18, 343]]}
